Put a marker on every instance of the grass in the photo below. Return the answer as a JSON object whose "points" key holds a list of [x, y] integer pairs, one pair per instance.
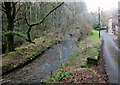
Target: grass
{"points": [[72, 58], [25, 54], [95, 35]]}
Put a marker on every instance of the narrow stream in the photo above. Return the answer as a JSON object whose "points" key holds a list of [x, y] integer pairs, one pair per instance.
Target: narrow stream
{"points": [[41, 67]]}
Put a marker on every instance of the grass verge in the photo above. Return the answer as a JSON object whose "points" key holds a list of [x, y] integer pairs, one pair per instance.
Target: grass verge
{"points": [[25, 54], [94, 36]]}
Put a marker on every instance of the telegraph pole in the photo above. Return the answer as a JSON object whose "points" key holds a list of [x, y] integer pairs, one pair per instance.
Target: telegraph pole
{"points": [[99, 20]]}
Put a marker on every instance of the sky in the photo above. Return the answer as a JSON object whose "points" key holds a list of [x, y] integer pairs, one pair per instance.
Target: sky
{"points": [[92, 5]]}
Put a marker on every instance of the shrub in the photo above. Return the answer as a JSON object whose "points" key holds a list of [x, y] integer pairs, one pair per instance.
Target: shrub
{"points": [[62, 74]]}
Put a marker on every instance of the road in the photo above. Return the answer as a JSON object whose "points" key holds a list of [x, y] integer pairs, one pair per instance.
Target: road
{"points": [[112, 57]]}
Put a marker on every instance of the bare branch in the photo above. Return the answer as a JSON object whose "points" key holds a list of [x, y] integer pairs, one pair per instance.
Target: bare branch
{"points": [[14, 4], [47, 15], [18, 9], [3, 10], [17, 19], [3, 6], [26, 20], [14, 12], [68, 7]]}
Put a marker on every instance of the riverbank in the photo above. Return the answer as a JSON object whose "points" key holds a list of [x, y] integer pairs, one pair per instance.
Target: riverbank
{"points": [[25, 54], [85, 66]]}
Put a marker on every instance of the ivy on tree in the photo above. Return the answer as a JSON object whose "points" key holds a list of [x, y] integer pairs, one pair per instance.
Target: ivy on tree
{"points": [[9, 8]]}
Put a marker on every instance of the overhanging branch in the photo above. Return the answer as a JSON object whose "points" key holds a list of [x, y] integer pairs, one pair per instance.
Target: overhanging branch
{"points": [[41, 21], [17, 19], [47, 15], [27, 21]]}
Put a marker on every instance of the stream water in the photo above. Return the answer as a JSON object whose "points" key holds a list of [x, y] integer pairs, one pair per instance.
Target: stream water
{"points": [[41, 67]]}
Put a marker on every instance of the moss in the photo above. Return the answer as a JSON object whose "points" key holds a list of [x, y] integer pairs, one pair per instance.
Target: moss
{"points": [[25, 54], [11, 54]]}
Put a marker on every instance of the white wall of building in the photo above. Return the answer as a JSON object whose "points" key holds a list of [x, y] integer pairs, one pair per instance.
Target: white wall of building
{"points": [[110, 25]]}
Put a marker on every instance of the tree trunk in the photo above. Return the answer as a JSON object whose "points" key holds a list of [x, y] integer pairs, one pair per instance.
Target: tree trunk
{"points": [[10, 12], [10, 37], [10, 43]]}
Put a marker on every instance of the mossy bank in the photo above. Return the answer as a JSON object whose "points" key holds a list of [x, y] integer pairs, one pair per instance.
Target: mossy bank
{"points": [[25, 54]]}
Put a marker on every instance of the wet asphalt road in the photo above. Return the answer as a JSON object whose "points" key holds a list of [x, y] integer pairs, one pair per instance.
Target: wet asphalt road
{"points": [[112, 57]]}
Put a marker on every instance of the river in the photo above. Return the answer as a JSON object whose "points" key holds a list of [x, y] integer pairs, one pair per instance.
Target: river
{"points": [[41, 67]]}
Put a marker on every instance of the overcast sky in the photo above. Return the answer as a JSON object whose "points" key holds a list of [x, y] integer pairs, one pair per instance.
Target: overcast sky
{"points": [[105, 4]]}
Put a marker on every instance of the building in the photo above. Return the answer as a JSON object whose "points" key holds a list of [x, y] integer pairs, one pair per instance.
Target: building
{"points": [[119, 24], [113, 24]]}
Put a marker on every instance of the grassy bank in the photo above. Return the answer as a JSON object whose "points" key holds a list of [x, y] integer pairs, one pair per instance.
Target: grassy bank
{"points": [[88, 48], [25, 54], [94, 36], [81, 66]]}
